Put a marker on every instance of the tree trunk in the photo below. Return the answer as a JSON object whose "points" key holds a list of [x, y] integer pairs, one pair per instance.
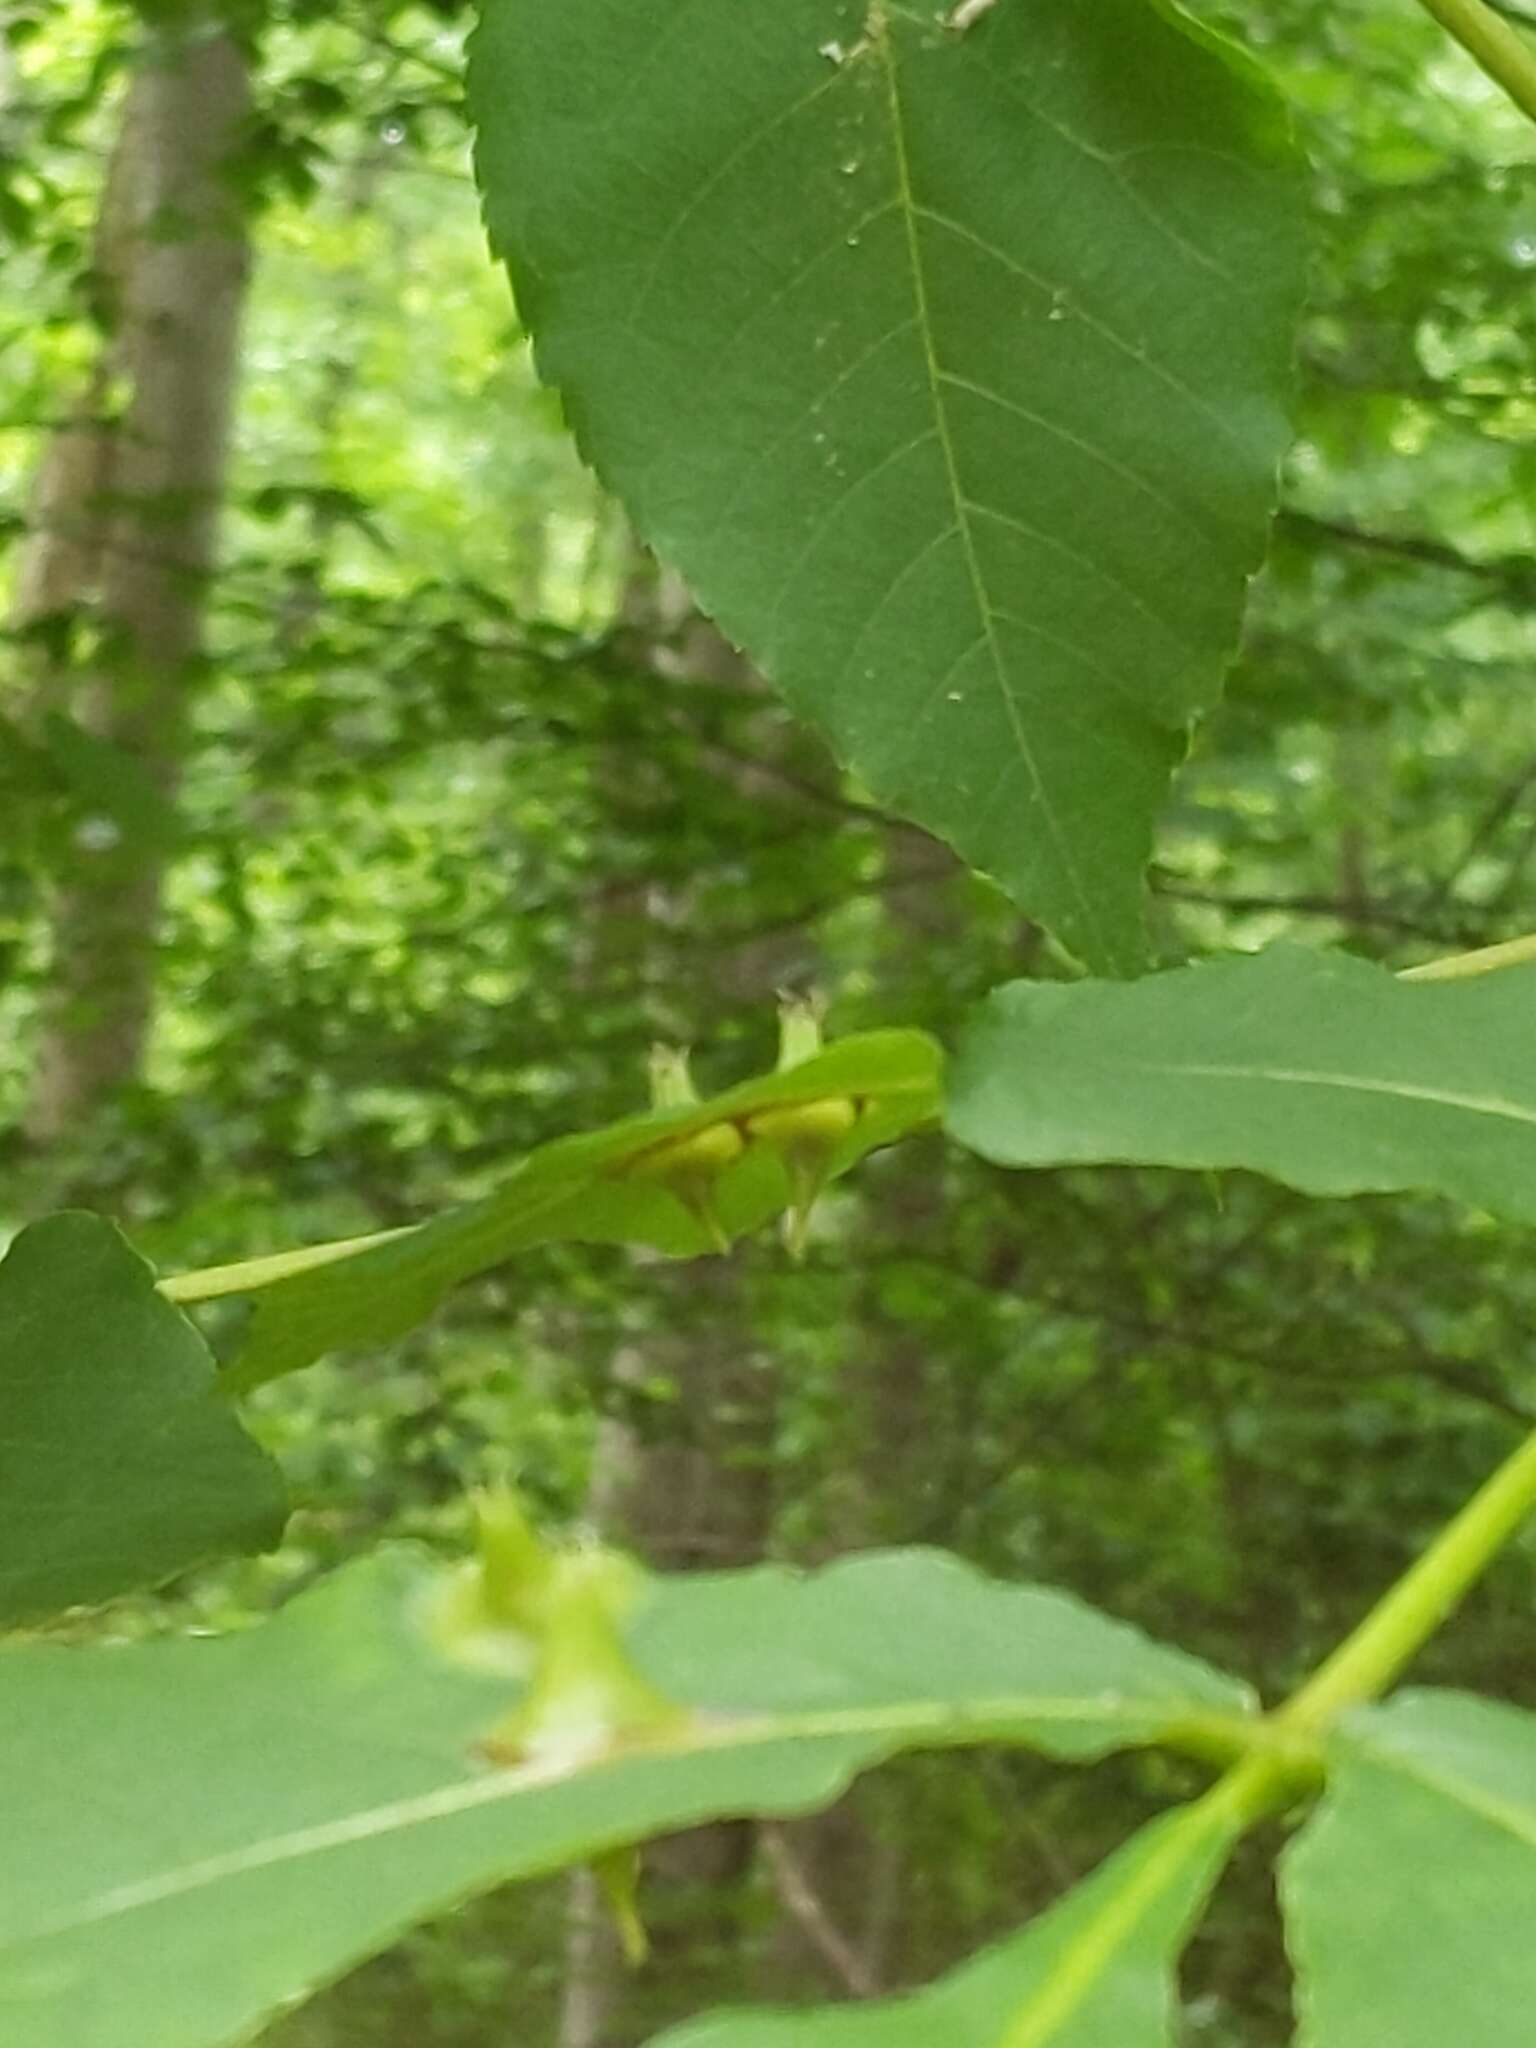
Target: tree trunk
{"points": [[842, 1878], [697, 1495], [124, 523]]}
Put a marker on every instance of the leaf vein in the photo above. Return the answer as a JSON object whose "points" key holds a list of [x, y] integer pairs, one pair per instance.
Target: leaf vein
{"points": [[1070, 869], [1100, 326], [753, 140]]}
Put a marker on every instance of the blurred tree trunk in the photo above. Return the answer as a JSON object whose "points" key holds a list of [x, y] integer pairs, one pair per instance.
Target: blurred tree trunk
{"points": [[124, 523], [703, 1496], [697, 1498], [340, 374], [695, 1493], [841, 1876]]}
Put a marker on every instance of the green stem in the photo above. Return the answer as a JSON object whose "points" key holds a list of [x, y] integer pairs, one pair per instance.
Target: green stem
{"points": [[1233, 1805], [1486, 960], [1366, 1663], [212, 1282], [1491, 42], [1283, 1758]]}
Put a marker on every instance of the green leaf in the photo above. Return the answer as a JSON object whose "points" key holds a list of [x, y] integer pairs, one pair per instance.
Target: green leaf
{"points": [[120, 1462], [1096, 1971], [969, 436], [583, 1188], [1411, 1896], [1323, 1071], [215, 1828]]}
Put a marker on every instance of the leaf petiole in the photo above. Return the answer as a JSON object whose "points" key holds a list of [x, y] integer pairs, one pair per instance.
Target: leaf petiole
{"points": [[1493, 44], [1486, 960], [1368, 1661]]}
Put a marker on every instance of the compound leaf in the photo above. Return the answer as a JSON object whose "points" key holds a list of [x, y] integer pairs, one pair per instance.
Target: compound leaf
{"points": [[215, 1828]]}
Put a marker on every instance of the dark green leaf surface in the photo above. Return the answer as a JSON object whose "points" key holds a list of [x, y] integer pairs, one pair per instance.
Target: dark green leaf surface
{"points": [[582, 1188], [1411, 1897], [213, 1828], [946, 369], [120, 1464], [1095, 1972], [1321, 1070]]}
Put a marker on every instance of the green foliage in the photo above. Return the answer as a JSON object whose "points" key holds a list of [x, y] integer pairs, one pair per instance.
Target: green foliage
{"points": [[1409, 1895], [945, 359], [120, 1462], [630, 1184], [1326, 1072], [301, 1791], [945, 370], [1097, 1968]]}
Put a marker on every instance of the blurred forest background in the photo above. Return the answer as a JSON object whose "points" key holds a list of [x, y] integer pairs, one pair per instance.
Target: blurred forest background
{"points": [[369, 806]]}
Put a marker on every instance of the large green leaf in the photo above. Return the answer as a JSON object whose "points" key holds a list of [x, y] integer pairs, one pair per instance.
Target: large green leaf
{"points": [[1328, 1073], [120, 1463], [1096, 1971], [214, 1828], [946, 367], [583, 1188], [1411, 1896]]}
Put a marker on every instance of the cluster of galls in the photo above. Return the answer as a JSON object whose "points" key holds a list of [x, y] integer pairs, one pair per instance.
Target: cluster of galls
{"points": [[805, 1135]]}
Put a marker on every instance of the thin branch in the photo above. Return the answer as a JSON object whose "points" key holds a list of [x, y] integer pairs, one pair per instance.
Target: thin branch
{"points": [[410, 53], [784, 778], [1492, 822], [823, 906], [1383, 916], [799, 1900], [1159, 1333], [1451, 1379], [1504, 897], [1409, 547]]}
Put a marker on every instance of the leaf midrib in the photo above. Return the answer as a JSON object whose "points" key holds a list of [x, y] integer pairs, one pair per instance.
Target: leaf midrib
{"points": [[960, 504], [1058, 2000], [1510, 1819], [1364, 1084], [986, 1720]]}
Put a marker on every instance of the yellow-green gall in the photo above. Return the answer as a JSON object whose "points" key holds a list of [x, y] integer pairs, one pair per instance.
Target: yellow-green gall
{"points": [[799, 1029], [805, 1128], [490, 1611], [586, 1697], [806, 1136], [708, 1153], [688, 1167]]}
